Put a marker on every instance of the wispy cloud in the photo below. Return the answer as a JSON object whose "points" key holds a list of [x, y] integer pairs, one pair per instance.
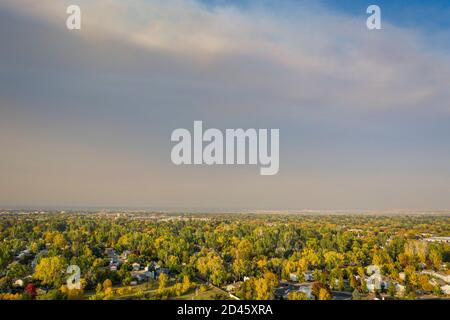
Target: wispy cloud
{"points": [[316, 56]]}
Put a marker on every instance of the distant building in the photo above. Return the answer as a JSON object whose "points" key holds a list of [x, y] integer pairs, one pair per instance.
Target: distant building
{"points": [[399, 289], [438, 239], [18, 283], [445, 289], [136, 266], [142, 275], [125, 254], [374, 283], [114, 261], [293, 277], [444, 277], [422, 265], [110, 252], [23, 254], [233, 286], [306, 289], [308, 276]]}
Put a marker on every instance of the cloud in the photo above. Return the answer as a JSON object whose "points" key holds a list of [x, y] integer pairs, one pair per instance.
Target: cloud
{"points": [[86, 116], [311, 57]]}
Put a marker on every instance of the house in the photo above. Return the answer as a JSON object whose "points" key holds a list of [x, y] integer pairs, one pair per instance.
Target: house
{"points": [[445, 289], [233, 286], [293, 277], [141, 276], [438, 239], [152, 266], [114, 261], [376, 282], [438, 275], [283, 290], [18, 283], [110, 252], [230, 288], [156, 273], [23, 254], [308, 276], [422, 265], [306, 288], [136, 266], [125, 254], [399, 288]]}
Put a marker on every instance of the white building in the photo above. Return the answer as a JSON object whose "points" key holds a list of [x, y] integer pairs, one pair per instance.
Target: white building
{"points": [[438, 239], [306, 289], [136, 266], [18, 283], [438, 275], [445, 289], [308, 276], [375, 282], [293, 277], [399, 289]]}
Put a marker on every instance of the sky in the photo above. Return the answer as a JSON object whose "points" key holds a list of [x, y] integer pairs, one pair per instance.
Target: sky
{"points": [[86, 116]]}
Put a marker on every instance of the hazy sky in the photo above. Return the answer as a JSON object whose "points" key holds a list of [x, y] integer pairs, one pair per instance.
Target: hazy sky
{"points": [[86, 116]]}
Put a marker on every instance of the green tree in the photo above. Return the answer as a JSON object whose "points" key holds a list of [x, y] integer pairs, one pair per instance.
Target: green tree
{"points": [[391, 289]]}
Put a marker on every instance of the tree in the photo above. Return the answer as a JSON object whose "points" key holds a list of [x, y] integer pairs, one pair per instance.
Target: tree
{"points": [[5, 255], [17, 270], [424, 283], [391, 289], [320, 291], [297, 295], [49, 271], [324, 294], [30, 290], [186, 284], [356, 295], [212, 267], [107, 284], [72, 294], [341, 284], [435, 258], [333, 259], [243, 253], [309, 259], [162, 281], [109, 292], [59, 241]]}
